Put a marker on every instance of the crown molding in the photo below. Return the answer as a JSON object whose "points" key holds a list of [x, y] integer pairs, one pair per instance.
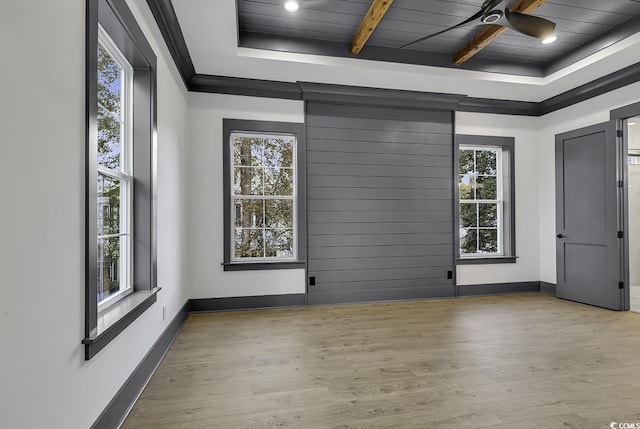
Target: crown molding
{"points": [[167, 20]]}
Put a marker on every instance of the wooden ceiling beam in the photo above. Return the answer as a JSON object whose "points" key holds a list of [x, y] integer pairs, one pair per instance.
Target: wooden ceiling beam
{"points": [[491, 32], [369, 23]]}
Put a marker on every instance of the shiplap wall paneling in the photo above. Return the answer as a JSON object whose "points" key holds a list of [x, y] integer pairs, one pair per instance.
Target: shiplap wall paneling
{"points": [[379, 199]]}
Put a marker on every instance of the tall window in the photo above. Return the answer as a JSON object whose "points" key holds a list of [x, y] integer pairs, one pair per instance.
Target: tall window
{"points": [[486, 199], [120, 222], [264, 204], [480, 187], [264, 196], [114, 172]]}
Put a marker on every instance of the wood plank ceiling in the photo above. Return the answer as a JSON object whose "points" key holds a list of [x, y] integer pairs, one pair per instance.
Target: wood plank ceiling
{"points": [[578, 22]]}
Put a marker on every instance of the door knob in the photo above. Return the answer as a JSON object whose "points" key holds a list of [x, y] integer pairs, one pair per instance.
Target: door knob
{"points": [[560, 236]]}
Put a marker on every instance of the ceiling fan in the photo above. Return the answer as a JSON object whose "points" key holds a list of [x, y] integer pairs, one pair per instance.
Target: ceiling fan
{"points": [[490, 13]]}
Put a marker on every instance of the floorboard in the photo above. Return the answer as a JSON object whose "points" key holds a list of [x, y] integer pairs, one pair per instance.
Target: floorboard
{"points": [[525, 361]]}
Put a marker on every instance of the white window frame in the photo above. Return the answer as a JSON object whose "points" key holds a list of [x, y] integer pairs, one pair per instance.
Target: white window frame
{"points": [[233, 197], [499, 201], [124, 175]]}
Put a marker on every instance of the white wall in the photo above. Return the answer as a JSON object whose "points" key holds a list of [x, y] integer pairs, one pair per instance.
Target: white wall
{"points": [[590, 112], [44, 379], [205, 231], [524, 130], [206, 277]]}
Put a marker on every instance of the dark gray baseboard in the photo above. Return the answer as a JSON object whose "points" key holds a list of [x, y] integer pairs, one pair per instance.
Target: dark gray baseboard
{"points": [[115, 413], [498, 288], [548, 288], [363, 296], [354, 297], [247, 302]]}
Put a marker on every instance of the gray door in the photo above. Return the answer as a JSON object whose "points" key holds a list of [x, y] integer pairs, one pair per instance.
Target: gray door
{"points": [[379, 203], [587, 216]]}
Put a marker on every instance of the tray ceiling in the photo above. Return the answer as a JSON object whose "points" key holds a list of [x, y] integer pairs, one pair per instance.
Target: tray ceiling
{"points": [[326, 27]]}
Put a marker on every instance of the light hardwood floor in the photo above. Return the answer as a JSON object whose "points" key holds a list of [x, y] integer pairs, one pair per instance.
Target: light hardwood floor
{"points": [[519, 361]]}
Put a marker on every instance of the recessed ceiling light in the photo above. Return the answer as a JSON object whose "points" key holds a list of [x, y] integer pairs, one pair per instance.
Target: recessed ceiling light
{"points": [[632, 123], [550, 39], [291, 6]]}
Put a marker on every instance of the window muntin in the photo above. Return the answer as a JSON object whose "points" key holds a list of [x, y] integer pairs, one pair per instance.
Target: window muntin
{"points": [[481, 201], [263, 197], [114, 165]]}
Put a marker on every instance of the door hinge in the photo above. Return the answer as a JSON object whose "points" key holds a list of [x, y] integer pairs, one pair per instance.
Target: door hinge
{"points": [[621, 285], [620, 234], [620, 183], [620, 133]]}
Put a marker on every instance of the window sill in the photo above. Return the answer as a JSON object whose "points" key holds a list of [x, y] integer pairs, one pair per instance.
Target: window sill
{"points": [[487, 260], [251, 266], [115, 319]]}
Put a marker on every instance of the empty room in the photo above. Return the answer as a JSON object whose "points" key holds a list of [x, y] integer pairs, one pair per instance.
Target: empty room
{"points": [[320, 214]]}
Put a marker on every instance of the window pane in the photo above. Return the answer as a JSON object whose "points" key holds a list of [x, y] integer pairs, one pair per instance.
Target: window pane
{"points": [[488, 215], [468, 215], [249, 213], [247, 151], [466, 161], [279, 243], [486, 188], [110, 75], [467, 187], [278, 181], [249, 243], [279, 213], [263, 166], [486, 162], [247, 181], [109, 137], [488, 241], [468, 241], [109, 196], [109, 266], [278, 152]]}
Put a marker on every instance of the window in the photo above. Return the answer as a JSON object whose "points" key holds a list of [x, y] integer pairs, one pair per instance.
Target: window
{"points": [[480, 190], [485, 199], [263, 195], [115, 77], [262, 198], [120, 173]]}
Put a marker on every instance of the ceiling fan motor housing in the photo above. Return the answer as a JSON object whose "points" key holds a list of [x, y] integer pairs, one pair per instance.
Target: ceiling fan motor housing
{"points": [[492, 16]]}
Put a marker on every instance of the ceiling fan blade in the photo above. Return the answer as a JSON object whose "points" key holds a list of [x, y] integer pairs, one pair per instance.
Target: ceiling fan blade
{"points": [[486, 7], [463, 23], [528, 24]]}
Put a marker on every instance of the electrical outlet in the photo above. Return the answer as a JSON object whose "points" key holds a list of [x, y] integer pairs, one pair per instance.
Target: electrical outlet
{"points": [[164, 312]]}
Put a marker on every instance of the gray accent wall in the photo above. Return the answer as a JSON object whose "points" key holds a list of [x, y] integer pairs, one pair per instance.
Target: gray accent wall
{"points": [[380, 203]]}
